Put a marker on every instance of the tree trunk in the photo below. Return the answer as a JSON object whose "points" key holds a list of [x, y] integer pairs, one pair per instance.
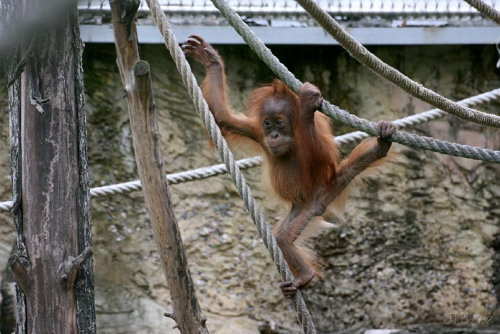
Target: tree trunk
{"points": [[52, 265]]}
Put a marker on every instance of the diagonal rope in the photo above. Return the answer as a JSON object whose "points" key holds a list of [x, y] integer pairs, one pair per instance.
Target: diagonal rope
{"points": [[368, 59], [425, 116], [220, 143], [408, 139], [485, 9]]}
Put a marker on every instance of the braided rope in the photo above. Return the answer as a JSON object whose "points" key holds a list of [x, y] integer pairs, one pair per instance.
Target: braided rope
{"points": [[343, 116], [368, 59], [6, 206], [176, 178], [425, 116], [485, 9], [220, 143]]}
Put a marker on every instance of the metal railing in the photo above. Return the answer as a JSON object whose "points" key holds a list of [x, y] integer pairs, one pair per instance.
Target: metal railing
{"points": [[436, 8]]}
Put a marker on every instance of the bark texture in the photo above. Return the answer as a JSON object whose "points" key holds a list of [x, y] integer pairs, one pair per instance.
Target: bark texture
{"points": [[136, 77], [50, 180]]}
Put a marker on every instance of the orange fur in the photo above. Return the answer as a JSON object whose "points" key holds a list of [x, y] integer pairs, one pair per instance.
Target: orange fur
{"points": [[374, 170], [336, 209], [301, 159], [314, 163], [315, 227], [315, 155]]}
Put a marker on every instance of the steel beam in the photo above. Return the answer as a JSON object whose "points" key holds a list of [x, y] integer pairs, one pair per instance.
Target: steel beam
{"points": [[309, 36]]}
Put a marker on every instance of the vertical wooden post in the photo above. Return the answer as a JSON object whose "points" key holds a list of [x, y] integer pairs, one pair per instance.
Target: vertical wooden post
{"points": [[136, 78], [50, 180]]}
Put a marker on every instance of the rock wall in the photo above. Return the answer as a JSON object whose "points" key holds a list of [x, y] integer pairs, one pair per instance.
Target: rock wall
{"points": [[417, 246]]}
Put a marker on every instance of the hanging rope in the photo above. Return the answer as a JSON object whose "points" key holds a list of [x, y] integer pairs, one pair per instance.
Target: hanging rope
{"points": [[206, 172], [368, 59], [220, 143], [485, 9], [343, 116]]}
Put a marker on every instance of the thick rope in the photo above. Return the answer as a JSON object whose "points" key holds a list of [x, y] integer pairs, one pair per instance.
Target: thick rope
{"points": [[425, 116], [220, 143], [485, 9], [368, 59], [343, 116], [6, 206], [206, 172], [175, 178]]}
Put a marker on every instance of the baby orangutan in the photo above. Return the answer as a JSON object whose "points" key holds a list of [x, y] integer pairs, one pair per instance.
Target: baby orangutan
{"points": [[302, 158]]}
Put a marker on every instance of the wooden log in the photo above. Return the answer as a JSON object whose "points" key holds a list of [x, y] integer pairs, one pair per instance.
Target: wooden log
{"points": [[136, 78], [50, 179]]}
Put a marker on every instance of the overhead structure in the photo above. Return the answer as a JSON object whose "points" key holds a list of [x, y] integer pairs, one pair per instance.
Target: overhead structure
{"points": [[397, 8], [371, 22]]}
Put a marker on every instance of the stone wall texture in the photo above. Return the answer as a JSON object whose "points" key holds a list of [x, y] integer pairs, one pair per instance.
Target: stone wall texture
{"points": [[417, 245]]}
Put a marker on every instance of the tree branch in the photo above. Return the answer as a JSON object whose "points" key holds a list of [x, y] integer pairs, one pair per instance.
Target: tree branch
{"points": [[19, 266], [136, 77], [72, 266]]}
